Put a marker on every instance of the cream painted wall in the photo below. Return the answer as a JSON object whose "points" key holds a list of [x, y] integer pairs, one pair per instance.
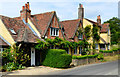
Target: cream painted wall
{"points": [[86, 23], [5, 33], [34, 28]]}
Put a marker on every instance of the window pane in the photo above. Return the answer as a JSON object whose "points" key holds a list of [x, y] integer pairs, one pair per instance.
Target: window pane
{"points": [[51, 31], [54, 31]]}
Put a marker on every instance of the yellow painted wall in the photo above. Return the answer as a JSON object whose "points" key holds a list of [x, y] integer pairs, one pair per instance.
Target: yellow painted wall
{"points": [[34, 28], [86, 23], [5, 33]]}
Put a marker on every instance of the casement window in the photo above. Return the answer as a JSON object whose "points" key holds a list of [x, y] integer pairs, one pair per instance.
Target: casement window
{"points": [[96, 46], [80, 36], [54, 32], [80, 50], [108, 46], [2, 49], [75, 51]]}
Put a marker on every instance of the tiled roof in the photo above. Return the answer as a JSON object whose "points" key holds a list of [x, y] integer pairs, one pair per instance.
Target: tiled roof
{"points": [[3, 43], [70, 27], [91, 21], [19, 27], [26, 35], [104, 27], [42, 21]]}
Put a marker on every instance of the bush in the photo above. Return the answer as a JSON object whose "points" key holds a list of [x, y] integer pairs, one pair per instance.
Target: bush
{"points": [[57, 58], [84, 56], [115, 49], [100, 56], [106, 51]]}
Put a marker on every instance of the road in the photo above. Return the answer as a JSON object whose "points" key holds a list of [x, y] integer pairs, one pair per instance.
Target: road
{"points": [[108, 68]]}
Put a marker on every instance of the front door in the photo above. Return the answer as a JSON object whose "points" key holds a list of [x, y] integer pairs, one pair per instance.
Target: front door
{"points": [[32, 56]]}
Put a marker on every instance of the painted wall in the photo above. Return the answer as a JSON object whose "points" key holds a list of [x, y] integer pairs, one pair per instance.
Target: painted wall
{"points": [[5, 33], [34, 28]]}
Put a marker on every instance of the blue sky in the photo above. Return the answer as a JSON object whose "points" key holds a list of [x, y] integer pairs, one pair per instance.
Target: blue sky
{"points": [[66, 10]]}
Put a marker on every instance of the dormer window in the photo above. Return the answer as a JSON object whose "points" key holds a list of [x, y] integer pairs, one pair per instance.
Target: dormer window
{"points": [[12, 31], [54, 31], [80, 36]]}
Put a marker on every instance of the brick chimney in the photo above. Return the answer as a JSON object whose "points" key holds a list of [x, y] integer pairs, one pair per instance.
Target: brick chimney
{"points": [[80, 12], [99, 19], [25, 12]]}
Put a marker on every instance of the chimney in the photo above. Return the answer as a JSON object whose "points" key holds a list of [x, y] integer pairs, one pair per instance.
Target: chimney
{"points": [[99, 19], [25, 12], [80, 12]]}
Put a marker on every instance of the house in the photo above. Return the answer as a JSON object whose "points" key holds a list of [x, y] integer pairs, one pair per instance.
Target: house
{"points": [[71, 26], [27, 28]]}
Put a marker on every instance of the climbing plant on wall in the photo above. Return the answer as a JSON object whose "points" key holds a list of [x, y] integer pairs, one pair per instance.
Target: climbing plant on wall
{"points": [[88, 32]]}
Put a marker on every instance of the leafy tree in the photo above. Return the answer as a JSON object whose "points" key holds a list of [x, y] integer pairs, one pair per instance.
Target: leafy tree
{"points": [[115, 29]]}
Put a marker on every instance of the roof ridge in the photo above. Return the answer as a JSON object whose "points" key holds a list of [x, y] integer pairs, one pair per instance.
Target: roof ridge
{"points": [[44, 13], [70, 20]]}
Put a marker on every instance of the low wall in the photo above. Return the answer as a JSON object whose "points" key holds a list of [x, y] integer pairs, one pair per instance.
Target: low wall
{"points": [[77, 62]]}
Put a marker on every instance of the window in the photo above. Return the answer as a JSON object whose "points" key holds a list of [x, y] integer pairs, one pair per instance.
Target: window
{"points": [[108, 47], [80, 50], [54, 31], [1, 49], [75, 51], [80, 36], [96, 46], [12, 31]]}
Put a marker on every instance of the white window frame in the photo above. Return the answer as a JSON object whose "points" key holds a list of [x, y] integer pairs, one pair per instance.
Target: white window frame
{"points": [[54, 31], [1, 49], [79, 36], [80, 50], [75, 51], [108, 46], [96, 46]]}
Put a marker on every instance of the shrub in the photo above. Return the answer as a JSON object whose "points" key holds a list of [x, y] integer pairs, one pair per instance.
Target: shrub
{"points": [[115, 49], [84, 56], [100, 56], [57, 58], [105, 51]]}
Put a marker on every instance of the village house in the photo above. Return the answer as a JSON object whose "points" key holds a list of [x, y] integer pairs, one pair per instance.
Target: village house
{"points": [[26, 29]]}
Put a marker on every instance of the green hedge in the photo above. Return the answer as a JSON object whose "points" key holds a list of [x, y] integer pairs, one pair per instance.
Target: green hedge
{"points": [[57, 58], [106, 51], [84, 57], [115, 49]]}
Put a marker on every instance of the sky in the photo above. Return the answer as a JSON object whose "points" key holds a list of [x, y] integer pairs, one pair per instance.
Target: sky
{"points": [[66, 10]]}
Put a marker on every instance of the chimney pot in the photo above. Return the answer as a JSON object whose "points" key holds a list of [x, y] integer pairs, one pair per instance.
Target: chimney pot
{"points": [[98, 17], [23, 7]]}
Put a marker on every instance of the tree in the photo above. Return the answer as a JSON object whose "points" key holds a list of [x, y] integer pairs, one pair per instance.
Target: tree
{"points": [[115, 29]]}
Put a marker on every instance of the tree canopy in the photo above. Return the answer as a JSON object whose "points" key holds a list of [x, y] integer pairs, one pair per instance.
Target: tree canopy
{"points": [[115, 29]]}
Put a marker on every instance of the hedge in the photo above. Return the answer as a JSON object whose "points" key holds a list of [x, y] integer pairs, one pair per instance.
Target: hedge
{"points": [[57, 58], [115, 49], [106, 51], [84, 57]]}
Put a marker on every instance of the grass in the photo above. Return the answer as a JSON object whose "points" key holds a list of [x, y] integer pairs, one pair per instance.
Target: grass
{"points": [[111, 58]]}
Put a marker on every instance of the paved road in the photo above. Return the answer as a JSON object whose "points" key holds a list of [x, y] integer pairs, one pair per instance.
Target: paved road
{"points": [[109, 68]]}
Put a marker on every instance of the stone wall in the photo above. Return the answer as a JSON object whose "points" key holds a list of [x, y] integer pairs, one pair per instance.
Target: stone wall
{"points": [[77, 62]]}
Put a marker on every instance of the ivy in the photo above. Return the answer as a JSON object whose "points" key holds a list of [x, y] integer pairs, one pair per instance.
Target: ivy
{"points": [[88, 32]]}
